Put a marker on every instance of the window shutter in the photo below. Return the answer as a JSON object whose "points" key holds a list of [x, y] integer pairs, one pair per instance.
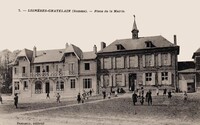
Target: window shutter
{"points": [[169, 59], [144, 79], [114, 80], [114, 64], [143, 60], [152, 60], [169, 78], [110, 80], [127, 61], [123, 79], [159, 78], [159, 59], [136, 61], [101, 80], [153, 79], [122, 60], [102, 63]]}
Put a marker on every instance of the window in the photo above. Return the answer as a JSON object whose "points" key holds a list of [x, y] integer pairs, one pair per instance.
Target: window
{"points": [[16, 85], [165, 59], [56, 67], [120, 47], [87, 66], [119, 80], [105, 80], [47, 68], [148, 59], [107, 63], [72, 81], [23, 69], [60, 86], [149, 44], [71, 68], [148, 76], [119, 62], [164, 76], [15, 70], [37, 69], [87, 83], [25, 85], [133, 61]]}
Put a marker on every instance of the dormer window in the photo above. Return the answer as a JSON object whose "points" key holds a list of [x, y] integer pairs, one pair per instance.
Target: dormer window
{"points": [[120, 47], [149, 44]]}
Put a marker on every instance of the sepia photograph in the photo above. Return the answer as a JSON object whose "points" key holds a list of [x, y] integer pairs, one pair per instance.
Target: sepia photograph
{"points": [[99, 62]]}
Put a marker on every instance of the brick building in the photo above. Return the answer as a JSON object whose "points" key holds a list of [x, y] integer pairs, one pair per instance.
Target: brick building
{"points": [[138, 61]]}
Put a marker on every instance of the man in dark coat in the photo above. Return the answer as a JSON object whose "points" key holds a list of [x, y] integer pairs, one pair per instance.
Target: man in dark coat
{"points": [[149, 97], [16, 100], [79, 98], [134, 98]]}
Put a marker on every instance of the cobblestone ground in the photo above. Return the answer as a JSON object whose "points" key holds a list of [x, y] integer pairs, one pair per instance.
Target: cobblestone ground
{"points": [[118, 110]]}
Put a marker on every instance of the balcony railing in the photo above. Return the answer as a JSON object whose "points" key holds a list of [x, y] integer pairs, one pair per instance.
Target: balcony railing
{"points": [[45, 74]]}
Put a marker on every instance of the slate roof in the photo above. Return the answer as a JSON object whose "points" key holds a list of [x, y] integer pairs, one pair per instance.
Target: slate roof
{"points": [[55, 55], [72, 48], [26, 53], [136, 44], [89, 55], [49, 56]]}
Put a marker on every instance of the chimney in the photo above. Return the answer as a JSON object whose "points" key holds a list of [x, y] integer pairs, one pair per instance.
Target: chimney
{"points": [[34, 52], [66, 45], [175, 40], [95, 49], [103, 45]]}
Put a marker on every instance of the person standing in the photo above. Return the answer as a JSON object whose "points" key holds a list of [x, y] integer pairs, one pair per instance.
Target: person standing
{"points": [[169, 94], [109, 95], [1, 100], [79, 97], [90, 92], [149, 97], [157, 91], [48, 95], [16, 100], [58, 98], [165, 91], [142, 100], [134, 98], [185, 96]]}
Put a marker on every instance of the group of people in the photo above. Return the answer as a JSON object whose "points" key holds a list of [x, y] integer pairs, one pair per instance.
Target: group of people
{"points": [[141, 98], [85, 95], [148, 96]]}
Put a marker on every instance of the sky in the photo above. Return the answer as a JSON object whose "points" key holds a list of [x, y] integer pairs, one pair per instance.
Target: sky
{"points": [[46, 30]]}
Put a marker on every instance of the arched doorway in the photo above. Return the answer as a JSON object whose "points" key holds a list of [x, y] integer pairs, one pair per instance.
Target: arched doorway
{"points": [[38, 87]]}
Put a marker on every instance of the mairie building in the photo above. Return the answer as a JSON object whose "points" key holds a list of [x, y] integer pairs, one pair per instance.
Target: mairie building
{"points": [[66, 71], [137, 62]]}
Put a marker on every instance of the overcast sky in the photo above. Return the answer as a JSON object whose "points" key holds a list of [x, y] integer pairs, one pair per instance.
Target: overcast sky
{"points": [[20, 30]]}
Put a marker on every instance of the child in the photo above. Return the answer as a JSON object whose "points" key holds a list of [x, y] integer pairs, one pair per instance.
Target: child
{"points": [[185, 95], [142, 100], [109, 94], [58, 98]]}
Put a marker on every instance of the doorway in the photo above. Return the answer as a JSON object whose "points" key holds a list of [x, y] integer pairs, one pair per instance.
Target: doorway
{"points": [[132, 81]]}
